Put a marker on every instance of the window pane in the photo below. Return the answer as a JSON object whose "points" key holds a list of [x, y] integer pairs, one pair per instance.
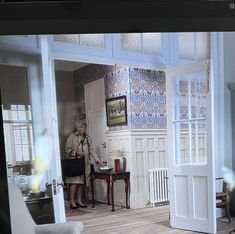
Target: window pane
{"points": [[25, 150], [24, 136], [13, 107], [15, 104], [14, 115], [18, 153], [22, 115], [131, 42], [7, 140], [198, 99], [181, 109], [29, 113], [152, 43], [182, 141], [199, 145], [22, 141], [17, 136], [31, 146], [67, 38], [94, 40], [5, 114], [190, 112], [21, 107]]}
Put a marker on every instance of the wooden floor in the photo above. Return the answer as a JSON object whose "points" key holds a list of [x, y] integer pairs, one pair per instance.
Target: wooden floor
{"points": [[101, 220]]}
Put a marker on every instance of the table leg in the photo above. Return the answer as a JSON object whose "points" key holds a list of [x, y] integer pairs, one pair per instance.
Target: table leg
{"points": [[108, 191], [127, 193], [92, 192], [112, 195]]}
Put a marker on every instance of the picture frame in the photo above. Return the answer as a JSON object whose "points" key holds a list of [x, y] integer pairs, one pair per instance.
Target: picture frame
{"points": [[116, 111]]}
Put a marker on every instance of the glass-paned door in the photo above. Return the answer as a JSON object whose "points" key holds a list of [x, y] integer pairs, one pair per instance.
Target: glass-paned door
{"points": [[189, 112]]}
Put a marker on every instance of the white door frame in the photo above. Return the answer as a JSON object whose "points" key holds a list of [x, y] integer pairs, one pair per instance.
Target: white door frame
{"points": [[51, 136]]}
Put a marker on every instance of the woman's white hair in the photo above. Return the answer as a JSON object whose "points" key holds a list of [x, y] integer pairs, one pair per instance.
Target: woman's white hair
{"points": [[82, 122]]}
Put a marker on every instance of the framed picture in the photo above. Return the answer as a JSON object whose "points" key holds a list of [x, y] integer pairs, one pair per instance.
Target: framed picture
{"points": [[116, 111]]}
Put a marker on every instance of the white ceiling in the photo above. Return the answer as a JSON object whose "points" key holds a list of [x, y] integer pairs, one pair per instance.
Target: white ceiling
{"points": [[68, 65]]}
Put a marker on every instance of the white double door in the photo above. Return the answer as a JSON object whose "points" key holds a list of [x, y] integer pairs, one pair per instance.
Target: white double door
{"points": [[190, 140], [190, 130]]}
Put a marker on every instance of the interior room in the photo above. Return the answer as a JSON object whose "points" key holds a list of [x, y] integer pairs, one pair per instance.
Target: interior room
{"points": [[147, 92], [39, 114]]}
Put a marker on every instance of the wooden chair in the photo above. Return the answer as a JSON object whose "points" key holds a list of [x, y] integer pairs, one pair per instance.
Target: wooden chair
{"points": [[222, 199]]}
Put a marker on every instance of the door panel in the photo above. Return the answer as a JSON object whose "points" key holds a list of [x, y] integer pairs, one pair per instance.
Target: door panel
{"points": [[51, 136], [95, 112], [190, 156]]}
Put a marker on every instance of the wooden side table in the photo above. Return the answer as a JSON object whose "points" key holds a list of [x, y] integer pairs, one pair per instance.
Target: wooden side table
{"points": [[111, 177], [41, 209]]}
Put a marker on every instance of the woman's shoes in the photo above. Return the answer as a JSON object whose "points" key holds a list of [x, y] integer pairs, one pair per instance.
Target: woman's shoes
{"points": [[81, 205], [73, 207]]}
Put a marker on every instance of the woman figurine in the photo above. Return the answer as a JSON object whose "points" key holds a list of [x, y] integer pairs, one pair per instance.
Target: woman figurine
{"points": [[79, 145]]}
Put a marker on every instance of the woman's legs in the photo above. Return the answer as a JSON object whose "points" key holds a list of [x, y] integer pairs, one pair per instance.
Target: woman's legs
{"points": [[72, 193], [79, 195]]}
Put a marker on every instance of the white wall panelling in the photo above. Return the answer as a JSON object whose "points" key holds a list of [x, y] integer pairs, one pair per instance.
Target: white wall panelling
{"points": [[144, 150]]}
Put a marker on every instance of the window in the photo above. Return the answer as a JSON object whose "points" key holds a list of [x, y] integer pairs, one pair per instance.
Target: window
{"points": [[18, 133], [190, 119], [92, 40], [148, 43]]}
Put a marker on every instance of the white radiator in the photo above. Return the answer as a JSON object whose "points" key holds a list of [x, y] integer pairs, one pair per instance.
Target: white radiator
{"points": [[158, 186]]}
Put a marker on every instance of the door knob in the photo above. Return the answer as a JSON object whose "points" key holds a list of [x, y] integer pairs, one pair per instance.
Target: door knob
{"points": [[104, 145], [58, 184], [54, 186]]}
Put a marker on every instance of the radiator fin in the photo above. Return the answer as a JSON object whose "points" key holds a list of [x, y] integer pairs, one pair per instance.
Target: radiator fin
{"points": [[158, 186]]}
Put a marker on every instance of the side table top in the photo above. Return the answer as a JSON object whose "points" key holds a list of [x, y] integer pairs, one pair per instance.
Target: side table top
{"points": [[111, 172], [29, 199]]}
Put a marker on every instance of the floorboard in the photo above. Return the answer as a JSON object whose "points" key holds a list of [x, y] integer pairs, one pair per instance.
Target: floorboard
{"points": [[151, 220]]}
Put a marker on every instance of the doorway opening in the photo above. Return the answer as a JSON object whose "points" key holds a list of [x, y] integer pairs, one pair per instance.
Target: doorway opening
{"points": [[146, 101]]}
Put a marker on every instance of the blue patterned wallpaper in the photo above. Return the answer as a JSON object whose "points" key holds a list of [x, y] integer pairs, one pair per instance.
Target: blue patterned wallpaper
{"points": [[117, 84], [147, 98], [145, 91]]}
